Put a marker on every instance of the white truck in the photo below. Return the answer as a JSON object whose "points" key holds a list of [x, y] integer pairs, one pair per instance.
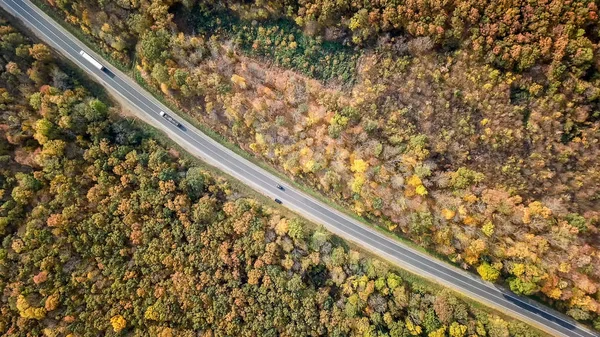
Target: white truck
{"points": [[91, 60], [170, 119]]}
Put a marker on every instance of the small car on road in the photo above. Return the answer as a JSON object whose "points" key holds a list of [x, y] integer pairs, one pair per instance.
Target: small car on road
{"points": [[278, 201], [280, 187]]}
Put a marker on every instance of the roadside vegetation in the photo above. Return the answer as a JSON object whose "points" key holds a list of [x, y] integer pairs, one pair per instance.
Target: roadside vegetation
{"points": [[468, 127], [106, 231]]}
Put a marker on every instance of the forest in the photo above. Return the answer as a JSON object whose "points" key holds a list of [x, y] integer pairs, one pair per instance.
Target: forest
{"points": [[470, 127], [106, 231]]}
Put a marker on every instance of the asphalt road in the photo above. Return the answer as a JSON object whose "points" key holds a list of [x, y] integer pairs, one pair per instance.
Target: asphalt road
{"points": [[216, 154]]}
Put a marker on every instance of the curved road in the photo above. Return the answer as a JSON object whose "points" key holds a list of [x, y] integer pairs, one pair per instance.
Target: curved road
{"points": [[199, 144]]}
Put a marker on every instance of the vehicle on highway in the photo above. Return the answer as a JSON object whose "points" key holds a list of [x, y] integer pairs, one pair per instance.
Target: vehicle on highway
{"points": [[280, 187], [91, 60], [278, 201], [170, 119], [398, 253]]}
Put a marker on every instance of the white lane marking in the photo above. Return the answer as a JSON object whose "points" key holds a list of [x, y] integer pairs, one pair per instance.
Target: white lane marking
{"points": [[68, 44], [394, 246]]}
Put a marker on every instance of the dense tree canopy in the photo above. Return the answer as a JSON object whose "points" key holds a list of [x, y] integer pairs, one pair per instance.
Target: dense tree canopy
{"points": [[106, 232], [470, 127]]}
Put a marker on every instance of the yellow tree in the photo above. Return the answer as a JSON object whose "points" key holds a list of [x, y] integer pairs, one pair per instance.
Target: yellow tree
{"points": [[488, 272], [118, 323]]}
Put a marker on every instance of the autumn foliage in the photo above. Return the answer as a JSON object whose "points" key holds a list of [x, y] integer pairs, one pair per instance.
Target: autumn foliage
{"points": [[469, 127], [107, 232]]}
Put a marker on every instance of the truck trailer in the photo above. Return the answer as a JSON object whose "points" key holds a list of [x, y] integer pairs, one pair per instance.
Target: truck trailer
{"points": [[91, 60], [170, 119]]}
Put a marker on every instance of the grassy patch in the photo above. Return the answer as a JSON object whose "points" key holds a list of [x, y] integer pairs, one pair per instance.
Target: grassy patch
{"points": [[284, 43]]}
